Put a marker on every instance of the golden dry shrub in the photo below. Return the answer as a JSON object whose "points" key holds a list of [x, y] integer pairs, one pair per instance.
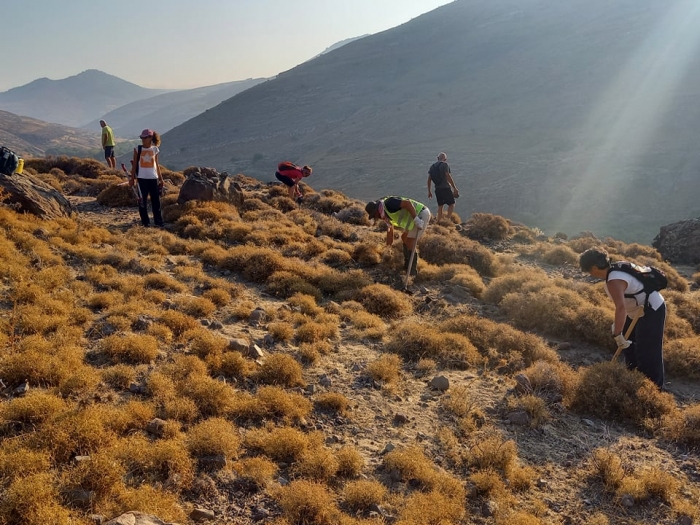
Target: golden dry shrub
{"points": [[682, 357], [340, 284], [33, 500], [386, 368], [382, 300], [518, 518], [259, 471], [499, 340], [130, 348], [229, 364], [686, 306], [285, 444], [333, 402], [486, 226], [147, 499], [164, 461], [368, 254], [534, 406], [218, 296], [415, 341], [280, 369], [204, 342], [194, 306], [525, 280], [16, 460], [34, 409], [551, 380], [683, 426], [161, 281], [412, 464], [41, 362], [359, 496], [317, 463], [212, 397], [647, 483], [559, 255], [119, 376], [324, 328], [178, 322], [610, 391], [350, 462], [442, 247], [284, 283], [307, 502], [271, 402], [306, 304], [213, 437], [255, 263], [102, 474], [432, 508], [128, 417], [336, 258], [281, 330], [490, 450], [487, 483]]}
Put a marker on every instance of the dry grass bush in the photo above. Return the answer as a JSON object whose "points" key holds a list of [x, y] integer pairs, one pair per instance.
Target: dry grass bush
{"points": [[350, 462], [649, 483], [305, 304], [386, 368], [165, 461], [364, 324], [149, 500], [333, 402], [433, 508], [559, 255], [102, 475], [281, 330], [307, 502], [285, 444], [534, 406], [415, 341], [161, 281], [682, 426], [325, 328], [551, 380], [359, 496], [488, 483], [229, 364], [204, 342], [213, 437], [453, 275], [259, 471], [460, 403], [412, 464], [525, 280], [130, 348], [341, 285], [280, 369], [518, 518], [128, 417], [32, 410], [379, 299], [610, 391], [443, 247], [337, 258], [367, 254], [686, 306], [490, 450], [33, 500], [178, 322], [682, 357], [318, 464], [271, 402], [287, 283], [486, 226], [254, 263], [16, 460], [194, 306]]}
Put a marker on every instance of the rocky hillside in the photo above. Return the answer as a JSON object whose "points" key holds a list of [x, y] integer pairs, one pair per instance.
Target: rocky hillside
{"points": [[546, 109], [35, 138], [260, 363]]}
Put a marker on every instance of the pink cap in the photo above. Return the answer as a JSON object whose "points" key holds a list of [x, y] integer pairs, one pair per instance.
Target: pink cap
{"points": [[146, 133]]}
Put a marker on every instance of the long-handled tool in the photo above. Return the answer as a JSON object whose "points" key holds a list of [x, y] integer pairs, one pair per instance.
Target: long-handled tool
{"points": [[628, 334], [135, 188], [410, 259]]}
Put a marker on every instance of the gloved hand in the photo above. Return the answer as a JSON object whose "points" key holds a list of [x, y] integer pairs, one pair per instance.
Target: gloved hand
{"points": [[612, 328], [621, 341], [420, 223]]}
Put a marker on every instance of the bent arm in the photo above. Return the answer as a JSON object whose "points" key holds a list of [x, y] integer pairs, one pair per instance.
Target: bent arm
{"points": [[451, 182], [617, 288], [408, 206]]}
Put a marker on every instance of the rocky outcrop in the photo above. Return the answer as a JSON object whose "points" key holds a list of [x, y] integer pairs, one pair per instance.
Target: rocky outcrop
{"points": [[206, 184], [679, 242], [28, 194], [137, 518]]}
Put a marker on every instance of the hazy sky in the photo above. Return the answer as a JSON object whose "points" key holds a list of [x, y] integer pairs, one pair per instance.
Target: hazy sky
{"points": [[183, 43]]}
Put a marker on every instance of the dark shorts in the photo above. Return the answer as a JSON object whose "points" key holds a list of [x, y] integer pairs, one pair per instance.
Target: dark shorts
{"points": [[109, 152], [287, 181], [444, 196]]}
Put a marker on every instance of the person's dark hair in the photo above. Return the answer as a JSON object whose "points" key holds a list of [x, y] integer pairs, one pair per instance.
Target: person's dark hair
{"points": [[156, 139], [306, 171], [371, 209], [594, 257]]}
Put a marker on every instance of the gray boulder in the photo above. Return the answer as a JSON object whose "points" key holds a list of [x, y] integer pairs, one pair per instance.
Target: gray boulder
{"points": [[679, 242], [137, 518], [28, 194], [205, 184]]}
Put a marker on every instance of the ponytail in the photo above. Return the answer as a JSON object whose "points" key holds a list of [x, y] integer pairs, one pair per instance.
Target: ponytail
{"points": [[156, 139]]}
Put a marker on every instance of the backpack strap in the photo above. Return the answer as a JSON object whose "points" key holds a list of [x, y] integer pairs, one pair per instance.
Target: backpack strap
{"points": [[626, 268], [138, 159]]}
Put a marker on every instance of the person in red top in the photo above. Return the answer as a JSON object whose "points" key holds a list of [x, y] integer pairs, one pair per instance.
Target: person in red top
{"points": [[290, 174]]}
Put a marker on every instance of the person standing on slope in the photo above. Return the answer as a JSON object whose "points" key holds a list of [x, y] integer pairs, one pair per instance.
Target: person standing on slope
{"points": [[644, 350], [290, 175], [145, 169], [410, 216], [445, 189], [108, 144]]}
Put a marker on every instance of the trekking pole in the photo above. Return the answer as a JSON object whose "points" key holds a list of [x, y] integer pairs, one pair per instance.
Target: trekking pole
{"points": [[627, 335], [135, 188]]}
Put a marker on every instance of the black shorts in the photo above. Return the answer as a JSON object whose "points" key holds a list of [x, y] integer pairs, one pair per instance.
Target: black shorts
{"points": [[444, 196], [287, 181], [109, 152]]}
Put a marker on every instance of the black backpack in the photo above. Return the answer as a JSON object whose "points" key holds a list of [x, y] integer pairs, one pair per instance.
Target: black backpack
{"points": [[8, 161], [652, 278], [436, 174]]}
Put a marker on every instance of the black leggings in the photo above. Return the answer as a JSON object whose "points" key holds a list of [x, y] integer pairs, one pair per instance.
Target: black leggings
{"points": [[646, 353], [150, 187]]}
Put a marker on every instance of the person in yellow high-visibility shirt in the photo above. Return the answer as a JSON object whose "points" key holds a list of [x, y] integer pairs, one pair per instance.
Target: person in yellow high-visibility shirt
{"points": [[409, 215]]}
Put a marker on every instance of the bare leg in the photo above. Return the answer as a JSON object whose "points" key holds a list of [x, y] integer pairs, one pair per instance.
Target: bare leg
{"points": [[439, 217], [292, 190], [450, 209]]}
